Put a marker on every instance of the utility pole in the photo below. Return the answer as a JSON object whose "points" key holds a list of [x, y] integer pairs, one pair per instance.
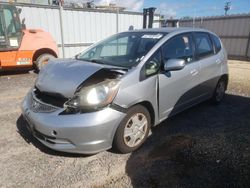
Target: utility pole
{"points": [[117, 19], [194, 18], [227, 7], [61, 25]]}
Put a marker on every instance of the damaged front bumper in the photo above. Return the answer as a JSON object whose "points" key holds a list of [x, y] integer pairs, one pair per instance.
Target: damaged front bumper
{"points": [[85, 133]]}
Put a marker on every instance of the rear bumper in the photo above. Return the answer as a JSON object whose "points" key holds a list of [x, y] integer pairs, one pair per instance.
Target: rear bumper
{"points": [[86, 133]]}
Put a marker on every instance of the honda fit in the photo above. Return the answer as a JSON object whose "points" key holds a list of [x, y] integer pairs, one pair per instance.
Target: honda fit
{"points": [[111, 94]]}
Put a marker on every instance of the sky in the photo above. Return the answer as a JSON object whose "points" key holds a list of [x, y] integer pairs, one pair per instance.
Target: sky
{"points": [[182, 8]]}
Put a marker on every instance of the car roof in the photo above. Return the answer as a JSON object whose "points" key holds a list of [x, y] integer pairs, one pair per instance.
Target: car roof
{"points": [[170, 29]]}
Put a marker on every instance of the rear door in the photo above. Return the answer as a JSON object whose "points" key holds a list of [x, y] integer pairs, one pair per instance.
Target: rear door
{"points": [[177, 89], [210, 63]]}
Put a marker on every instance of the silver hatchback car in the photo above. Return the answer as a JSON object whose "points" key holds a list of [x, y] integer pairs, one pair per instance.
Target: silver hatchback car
{"points": [[115, 91]]}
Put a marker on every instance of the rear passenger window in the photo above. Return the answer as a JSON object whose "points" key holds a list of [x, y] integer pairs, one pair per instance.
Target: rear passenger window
{"points": [[179, 47], [203, 44], [216, 42]]}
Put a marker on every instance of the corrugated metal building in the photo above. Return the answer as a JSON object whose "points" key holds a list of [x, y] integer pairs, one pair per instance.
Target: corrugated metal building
{"points": [[234, 30], [82, 27]]}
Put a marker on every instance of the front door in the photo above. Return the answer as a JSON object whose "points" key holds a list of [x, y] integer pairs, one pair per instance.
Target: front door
{"points": [[177, 89]]}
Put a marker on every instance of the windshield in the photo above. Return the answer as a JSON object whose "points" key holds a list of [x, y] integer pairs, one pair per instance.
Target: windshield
{"points": [[123, 50]]}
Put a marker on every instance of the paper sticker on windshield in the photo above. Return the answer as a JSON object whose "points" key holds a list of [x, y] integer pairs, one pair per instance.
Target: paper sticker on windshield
{"points": [[155, 36], [13, 42]]}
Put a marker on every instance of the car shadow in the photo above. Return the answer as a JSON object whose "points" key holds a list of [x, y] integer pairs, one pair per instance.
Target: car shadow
{"points": [[15, 72], [23, 131], [205, 146]]}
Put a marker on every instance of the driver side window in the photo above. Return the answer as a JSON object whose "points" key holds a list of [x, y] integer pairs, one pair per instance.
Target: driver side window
{"points": [[179, 47]]}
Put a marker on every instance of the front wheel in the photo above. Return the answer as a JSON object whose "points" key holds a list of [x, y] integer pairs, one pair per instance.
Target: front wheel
{"points": [[133, 130], [219, 92], [42, 60]]}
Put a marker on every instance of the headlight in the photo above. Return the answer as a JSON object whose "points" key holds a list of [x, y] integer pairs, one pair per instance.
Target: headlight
{"points": [[96, 96]]}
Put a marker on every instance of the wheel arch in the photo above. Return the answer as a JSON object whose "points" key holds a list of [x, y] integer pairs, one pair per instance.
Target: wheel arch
{"points": [[150, 109], [225, 77], [43, 51], [118, 142]]}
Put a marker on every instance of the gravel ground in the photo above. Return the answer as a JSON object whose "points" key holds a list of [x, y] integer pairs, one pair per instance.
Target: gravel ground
{"points": [[205, 146]]}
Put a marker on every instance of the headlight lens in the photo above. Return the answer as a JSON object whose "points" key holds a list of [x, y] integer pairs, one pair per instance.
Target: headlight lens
{"points": [[97, 96]]}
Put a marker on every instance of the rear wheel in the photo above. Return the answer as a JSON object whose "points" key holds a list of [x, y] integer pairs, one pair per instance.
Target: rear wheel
{"points": [[219, 92], [42, 60], [133, 130]]}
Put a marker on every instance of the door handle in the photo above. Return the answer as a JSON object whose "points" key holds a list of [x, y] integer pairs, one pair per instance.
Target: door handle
{"points": [[194, 72]]}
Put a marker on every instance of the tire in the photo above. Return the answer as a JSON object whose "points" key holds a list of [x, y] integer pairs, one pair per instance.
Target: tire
{"points": [[137, 131], [219, 91], [42, 60]]}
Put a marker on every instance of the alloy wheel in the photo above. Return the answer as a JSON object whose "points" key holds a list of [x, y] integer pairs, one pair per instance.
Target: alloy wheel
{"points": [[135, 130]]}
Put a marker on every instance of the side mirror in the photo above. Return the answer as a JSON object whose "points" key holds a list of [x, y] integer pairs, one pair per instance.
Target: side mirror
{"points": [[174, 64]]}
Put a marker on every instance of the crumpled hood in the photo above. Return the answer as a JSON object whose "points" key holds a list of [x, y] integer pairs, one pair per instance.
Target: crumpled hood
{"points": [[64, 76]]}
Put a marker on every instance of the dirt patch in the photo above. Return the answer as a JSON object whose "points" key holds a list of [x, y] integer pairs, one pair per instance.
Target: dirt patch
{"points": [[211, 150], [239, 78]]}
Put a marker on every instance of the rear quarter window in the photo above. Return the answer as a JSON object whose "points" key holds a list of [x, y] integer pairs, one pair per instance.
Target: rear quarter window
{"points": [[217, 44], [204, 45]]}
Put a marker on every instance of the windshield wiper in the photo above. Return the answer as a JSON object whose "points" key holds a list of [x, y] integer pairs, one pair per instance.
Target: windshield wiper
{"points": [[97, 61], [91, 60]]}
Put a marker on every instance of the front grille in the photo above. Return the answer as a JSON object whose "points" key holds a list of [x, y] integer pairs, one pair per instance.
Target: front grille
{"points": [[53, 99], [38, 106]]}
